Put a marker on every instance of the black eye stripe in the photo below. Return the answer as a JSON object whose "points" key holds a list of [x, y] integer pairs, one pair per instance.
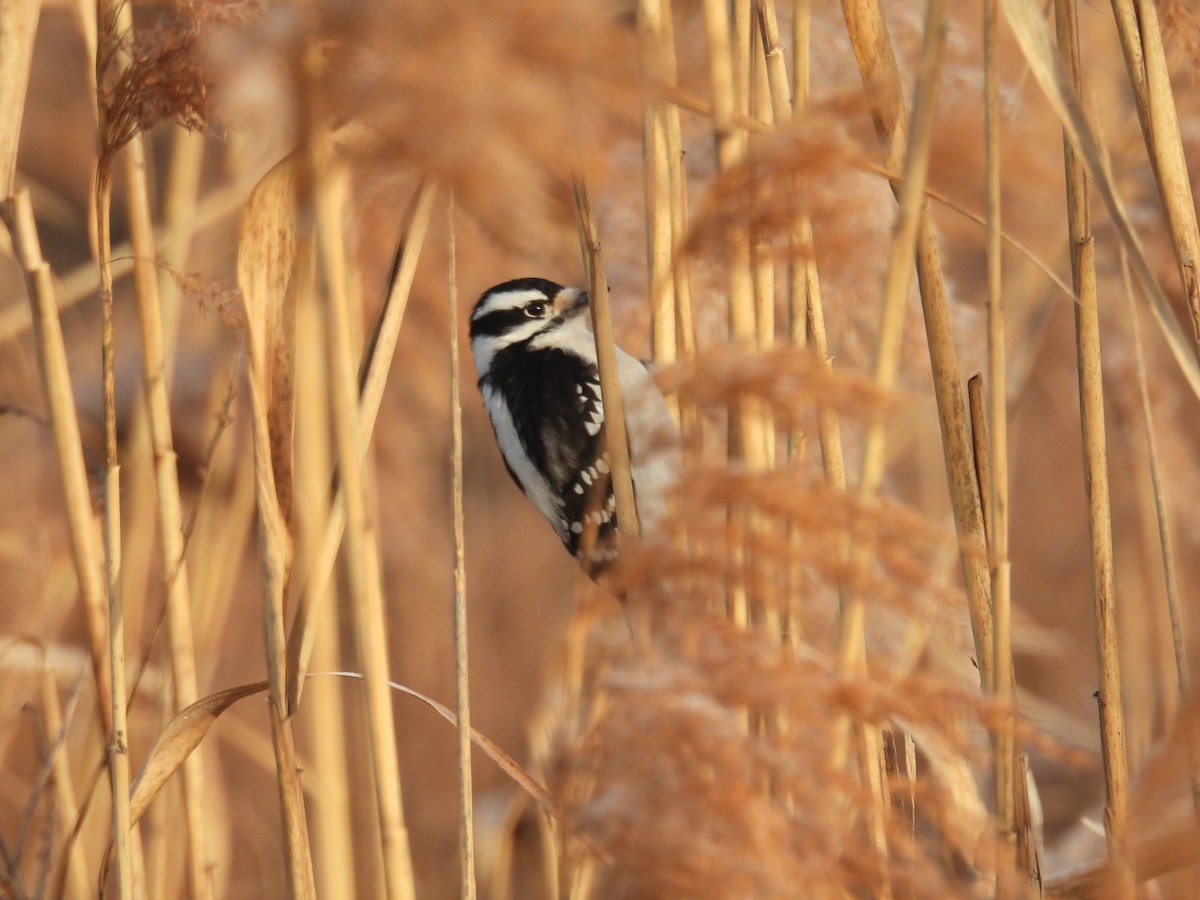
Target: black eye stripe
{"points": [[498, 322]]}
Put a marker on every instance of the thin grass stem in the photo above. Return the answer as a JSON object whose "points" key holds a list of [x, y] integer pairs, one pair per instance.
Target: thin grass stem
{"points": [[462, 692], [1095, 461]]}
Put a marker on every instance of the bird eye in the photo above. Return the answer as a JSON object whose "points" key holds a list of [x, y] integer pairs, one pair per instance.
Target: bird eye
{"points": [[536, 309]]}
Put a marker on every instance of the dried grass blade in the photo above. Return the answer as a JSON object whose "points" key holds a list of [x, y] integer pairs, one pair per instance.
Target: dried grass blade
{"points": [[507, 764], [178, 739], [1033, 37], [275, 267]]}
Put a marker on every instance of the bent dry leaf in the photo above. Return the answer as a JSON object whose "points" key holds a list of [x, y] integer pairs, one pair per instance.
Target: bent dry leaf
{"points": [[184, 733], [178, 739]]}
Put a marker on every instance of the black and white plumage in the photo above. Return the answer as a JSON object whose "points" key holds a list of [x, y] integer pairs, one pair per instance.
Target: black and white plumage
{"points": [[536, 360]]}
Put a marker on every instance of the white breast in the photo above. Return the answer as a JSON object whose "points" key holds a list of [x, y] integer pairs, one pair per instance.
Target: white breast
{"points": [[535, 487]]}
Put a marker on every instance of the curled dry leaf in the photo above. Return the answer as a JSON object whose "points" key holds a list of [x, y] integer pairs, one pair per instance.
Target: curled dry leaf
{"points": [[175, 744], [275, 268]]}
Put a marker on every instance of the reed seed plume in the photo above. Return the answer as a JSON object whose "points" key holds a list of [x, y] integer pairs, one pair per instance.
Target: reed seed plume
{"points": [[164, 78], [795, 171]]}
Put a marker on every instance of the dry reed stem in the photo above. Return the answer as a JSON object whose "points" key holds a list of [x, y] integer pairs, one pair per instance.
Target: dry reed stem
{"points": [[656, 153], [762, 262], [368, 615], [724, 66], [1033, 37], [1091, 402], [994, 486], [868, 36], [273, 552], [685, 319], [1146, 63], [334, 830], [180, 639], [18, 28], [812, 324], [60, 401], [806, 315], [877, 63], [373, 375], [174, 238], [748, 432], [617, 444], [117, 67], [462, 692], [118, 751]]}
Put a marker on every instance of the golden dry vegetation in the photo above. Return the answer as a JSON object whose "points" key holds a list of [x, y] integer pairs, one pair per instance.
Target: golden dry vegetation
{"points": [[897, 639]]}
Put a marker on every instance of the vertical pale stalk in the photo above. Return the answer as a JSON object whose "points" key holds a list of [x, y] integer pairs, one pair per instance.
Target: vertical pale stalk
{"points": [[180, 202], [462, 692], [368, 616], [180, 640], [744, 437], [333, 834], [761, 107], [81, 524], [747, 441], [118, 740], [685, 320], [913, 231], [869, 37], [656, 177], [273, 542], [373, 377], [877, 62], [807, 312], [86, 552], [995, 487], [18, 30], [275, 267], [1095, 460], [606, 360]]}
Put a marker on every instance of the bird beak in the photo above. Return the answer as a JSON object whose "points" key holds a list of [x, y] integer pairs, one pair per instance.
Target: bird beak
{"points": [[570, 302]]}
